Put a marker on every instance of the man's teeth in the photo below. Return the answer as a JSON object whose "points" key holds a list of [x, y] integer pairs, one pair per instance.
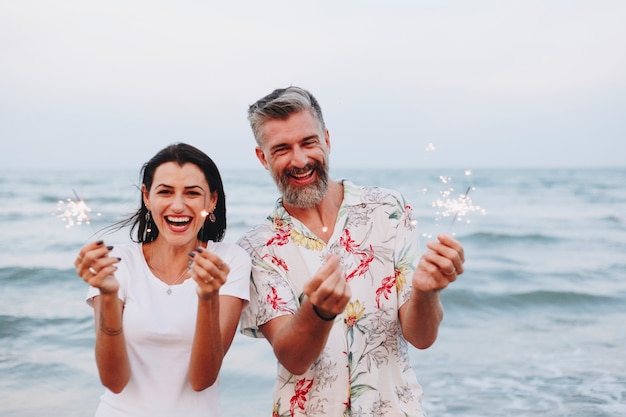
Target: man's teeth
{"points": [[302, 174]]}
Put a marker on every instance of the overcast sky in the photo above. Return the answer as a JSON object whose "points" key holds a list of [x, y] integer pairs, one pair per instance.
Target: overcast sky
{"points": [[105, 84]]}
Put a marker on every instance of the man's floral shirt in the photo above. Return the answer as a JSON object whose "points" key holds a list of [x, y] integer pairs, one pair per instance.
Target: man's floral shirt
{"points": [[364, 369]]}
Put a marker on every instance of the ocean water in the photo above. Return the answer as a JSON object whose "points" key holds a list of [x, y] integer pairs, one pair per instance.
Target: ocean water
{"points": [[535, 326]]}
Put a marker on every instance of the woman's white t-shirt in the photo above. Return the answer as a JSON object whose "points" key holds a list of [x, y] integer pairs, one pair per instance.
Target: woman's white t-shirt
{"points": [[159, 329]]}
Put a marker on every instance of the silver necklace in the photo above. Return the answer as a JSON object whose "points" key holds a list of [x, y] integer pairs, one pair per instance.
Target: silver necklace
{"points": [[158, 274]]}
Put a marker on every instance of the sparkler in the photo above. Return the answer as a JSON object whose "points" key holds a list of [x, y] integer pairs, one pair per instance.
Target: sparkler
{"points": [[73, 212], [457, 208], [449, 205], [463, 206]]}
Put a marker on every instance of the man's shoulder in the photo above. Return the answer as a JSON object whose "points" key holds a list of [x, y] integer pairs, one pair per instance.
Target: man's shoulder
{"points": [[257, 234], [367, 193]]}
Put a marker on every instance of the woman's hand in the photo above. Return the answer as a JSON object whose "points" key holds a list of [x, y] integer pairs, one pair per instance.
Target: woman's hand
{"points": [[97, 268], [209, 272]]}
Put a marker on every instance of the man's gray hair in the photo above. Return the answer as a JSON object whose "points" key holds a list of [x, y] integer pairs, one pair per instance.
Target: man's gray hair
{"points": [[280, 104]]}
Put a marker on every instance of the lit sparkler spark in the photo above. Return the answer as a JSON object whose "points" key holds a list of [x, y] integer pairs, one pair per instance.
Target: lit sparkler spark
{"points": [[448, 206], [458, 208], [73, 212], [461, 206]]}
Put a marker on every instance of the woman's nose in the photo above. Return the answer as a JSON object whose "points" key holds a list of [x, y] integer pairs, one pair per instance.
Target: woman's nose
{"points": [[178, 204]]}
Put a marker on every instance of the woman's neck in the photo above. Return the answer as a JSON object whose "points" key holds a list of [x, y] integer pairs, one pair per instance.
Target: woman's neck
{"points": [[168, 260]]}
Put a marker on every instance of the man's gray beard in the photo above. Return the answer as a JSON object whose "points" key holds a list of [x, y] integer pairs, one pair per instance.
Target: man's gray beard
{"points": [[303, 197]]}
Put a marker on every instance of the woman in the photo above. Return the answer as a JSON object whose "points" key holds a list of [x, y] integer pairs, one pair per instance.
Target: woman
{"points": [[167, 306]]}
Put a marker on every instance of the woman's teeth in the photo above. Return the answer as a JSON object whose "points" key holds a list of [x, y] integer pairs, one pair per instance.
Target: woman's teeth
{"points": [[178, 220]]}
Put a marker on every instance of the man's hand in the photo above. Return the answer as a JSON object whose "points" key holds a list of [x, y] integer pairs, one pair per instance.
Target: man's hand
{"points": [[328, 290], [440, 265]]}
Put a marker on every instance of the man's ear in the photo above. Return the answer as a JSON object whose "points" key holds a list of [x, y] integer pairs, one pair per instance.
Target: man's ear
{"points": [[261, 156], [327, 139]]}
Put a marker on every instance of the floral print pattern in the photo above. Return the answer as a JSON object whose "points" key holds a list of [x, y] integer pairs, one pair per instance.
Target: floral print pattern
{"points": [[364, 369]]}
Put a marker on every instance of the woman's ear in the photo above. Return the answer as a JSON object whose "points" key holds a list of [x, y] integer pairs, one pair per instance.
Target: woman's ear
{"points": [[210, 205], [146, 196]]}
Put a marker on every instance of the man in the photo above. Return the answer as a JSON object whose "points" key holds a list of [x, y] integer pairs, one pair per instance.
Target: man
{"points": [[337, 288]]}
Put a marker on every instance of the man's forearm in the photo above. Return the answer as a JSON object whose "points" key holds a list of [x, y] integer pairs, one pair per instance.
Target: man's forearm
{"points": [[420, 318]]}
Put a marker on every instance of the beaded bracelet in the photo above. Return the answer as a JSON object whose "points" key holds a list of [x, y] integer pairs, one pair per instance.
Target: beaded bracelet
{"points": [[322, 317]]}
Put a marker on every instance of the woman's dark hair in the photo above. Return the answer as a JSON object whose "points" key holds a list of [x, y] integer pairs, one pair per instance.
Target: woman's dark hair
{"points": [[180, 153]]}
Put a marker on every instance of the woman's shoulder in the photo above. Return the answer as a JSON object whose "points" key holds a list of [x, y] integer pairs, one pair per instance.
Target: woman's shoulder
{"points": [[237, 259], [227, 249], [129, 249]]}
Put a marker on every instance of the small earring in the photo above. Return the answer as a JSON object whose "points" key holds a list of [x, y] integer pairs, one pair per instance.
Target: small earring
{"points": [[148, 230], [212, 217], [148, 218]]}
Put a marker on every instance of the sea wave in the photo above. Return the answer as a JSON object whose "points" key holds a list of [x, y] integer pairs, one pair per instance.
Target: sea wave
{"points": [[513, 303], [614, 219], [16, 275], [497, 238], [43, 330], [93, 201]]}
